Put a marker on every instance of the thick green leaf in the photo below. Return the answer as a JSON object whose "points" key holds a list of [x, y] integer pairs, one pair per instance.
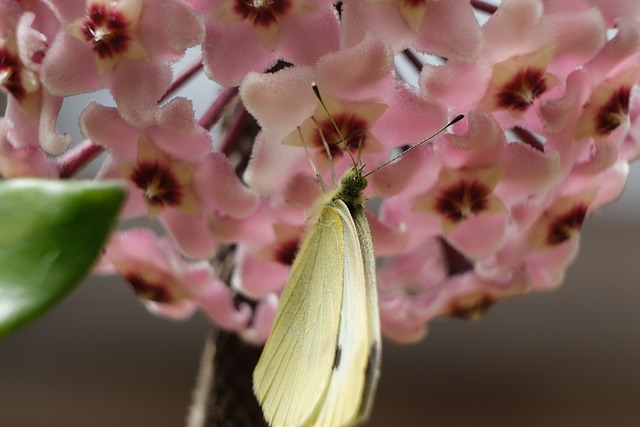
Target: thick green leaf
{"points": [[51, 233]]}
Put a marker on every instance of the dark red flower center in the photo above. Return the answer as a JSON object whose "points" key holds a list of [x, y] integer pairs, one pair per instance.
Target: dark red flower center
{"points": [[352, 129], [10, 71], [566, 225], [522, 90], [472, 309], [107, 30], [414, 3], [160, 186], [614, 112], [463, 199], [262, 12], [149, 291], [286, 252]]}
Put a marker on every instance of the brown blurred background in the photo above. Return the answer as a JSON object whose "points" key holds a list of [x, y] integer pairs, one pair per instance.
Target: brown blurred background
{"points": [[568, 358]]}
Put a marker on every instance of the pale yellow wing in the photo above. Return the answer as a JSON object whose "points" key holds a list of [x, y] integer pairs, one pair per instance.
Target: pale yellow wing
{"points": [[355, 371], [373, 316], [344, 393], [296, 364]]}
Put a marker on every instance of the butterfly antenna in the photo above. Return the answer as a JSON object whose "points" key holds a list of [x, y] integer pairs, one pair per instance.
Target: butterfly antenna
{"points": [[327, 149], [316, 91], [442, 129], [306, 151], [363, 136]]}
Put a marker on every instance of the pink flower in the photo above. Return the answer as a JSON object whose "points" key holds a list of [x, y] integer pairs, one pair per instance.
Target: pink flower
{"points": [[434, 281], [544, 241], [509, 77], [608, 106], [125, 46], [25, 161], [362, 98], [168, 285], [262, 320], [171, 172], [296, 31], [17, 79], [444, 28], [154, 270], [30, 107], [264, 260], [611, 10], [630, 148], [465, 194]]}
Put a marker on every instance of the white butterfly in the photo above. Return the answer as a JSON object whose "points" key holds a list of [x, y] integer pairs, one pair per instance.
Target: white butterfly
{"points": [[320, 365]]}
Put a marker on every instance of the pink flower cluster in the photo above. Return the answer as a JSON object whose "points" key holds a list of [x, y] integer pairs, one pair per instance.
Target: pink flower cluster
{"points": [[490, 209]]}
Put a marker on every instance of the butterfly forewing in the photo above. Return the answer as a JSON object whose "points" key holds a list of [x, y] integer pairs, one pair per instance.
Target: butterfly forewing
{"points": [[343, 399], [294, 370]]}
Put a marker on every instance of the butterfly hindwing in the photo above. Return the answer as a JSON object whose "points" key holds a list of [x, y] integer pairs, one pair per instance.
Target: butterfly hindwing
{"points": [[373, 317], [345, 391]]}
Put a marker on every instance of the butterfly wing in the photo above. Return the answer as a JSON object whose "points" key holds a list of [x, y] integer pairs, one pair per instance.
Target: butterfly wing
{"points": [[355, 371], [373, 316], [295, 368]]}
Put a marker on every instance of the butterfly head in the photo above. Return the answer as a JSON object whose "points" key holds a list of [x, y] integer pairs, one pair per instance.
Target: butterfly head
{"points": [[351, 186]]}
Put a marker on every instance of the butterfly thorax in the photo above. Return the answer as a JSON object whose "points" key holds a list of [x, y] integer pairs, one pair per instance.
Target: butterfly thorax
{"points": [[352, 184]]}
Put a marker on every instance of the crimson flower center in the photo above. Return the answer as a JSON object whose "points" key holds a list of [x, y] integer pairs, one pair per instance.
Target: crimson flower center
{"points": [[10, 81], [458, 202], [149, 291], [522, 90], [351, 128], [563, 227], [262, 12], [614, 112], [160, 186], [414, 3], [107, 30], [286, 252]]}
